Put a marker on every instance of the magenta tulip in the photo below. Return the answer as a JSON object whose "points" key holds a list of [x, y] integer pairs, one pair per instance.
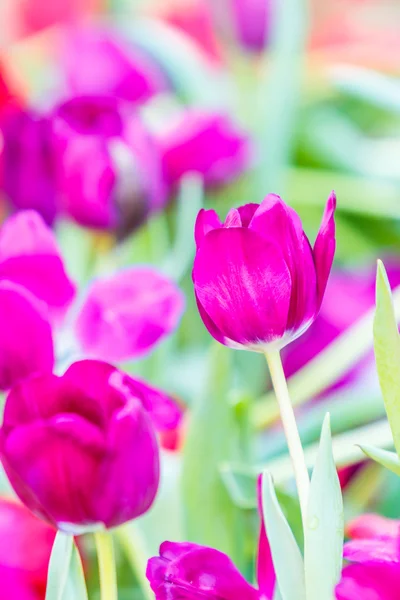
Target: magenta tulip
{"points": [[258, 283], [126, 314], [209, 144], [96, 62], [109, 168], [80, 450], [29, 172]]}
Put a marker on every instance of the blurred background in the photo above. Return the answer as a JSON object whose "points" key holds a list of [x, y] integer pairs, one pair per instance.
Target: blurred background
{"points": [[120, 119]]}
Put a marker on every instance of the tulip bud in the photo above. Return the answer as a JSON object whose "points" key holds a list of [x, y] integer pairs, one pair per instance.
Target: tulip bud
{"points": [[28, 163], [258, 283], [126, 314], [209, 144], [109, 168], [80, 450]]}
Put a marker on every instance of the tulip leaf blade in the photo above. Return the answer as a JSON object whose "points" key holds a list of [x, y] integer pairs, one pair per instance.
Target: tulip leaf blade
{"points": [[324, 531], [59, 565], [387, 352], [387, 459], [286, 556]]}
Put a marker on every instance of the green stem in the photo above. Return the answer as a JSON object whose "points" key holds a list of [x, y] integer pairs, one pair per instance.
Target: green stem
{"points": [[290, 428], [131, 540], [107, 571]]}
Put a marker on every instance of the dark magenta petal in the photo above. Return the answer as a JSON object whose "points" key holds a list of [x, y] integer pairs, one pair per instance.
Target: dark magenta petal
{"points": [[243, 284], [188, 571], [29, 256], [26, 343], [129, 476], [324, 247], [206, 221], [80, 449], [275, 220], [379, 582], [125, 315], [247, 213], [266, 578], [209, 144]]}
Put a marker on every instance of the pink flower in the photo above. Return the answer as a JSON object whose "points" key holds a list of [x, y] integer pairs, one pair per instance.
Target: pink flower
{"points": [[246, 21], [109, 173], [369, 526], [97, 63], [80, 449], [186, 571], [126, 314], [26, 544], [34, 290], [209, 144], [29, 175], [256, 279]]}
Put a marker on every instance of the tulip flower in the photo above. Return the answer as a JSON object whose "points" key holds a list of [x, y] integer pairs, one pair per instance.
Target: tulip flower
{"points": [[109, 168], [186, 571], [369, 526], [29, 176], [34, 291], [245, 21], [96, 63], [258, 283], [80, 450], [25, 548], [207, 143], [126, 314]]}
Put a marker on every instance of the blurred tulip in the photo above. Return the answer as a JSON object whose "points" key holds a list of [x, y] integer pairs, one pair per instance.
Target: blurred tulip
{"points": [[80, 449], [109, 167], [245, 21], [257, 282], [209, 144], [98, 63], [35, 15], [374, 572], [369, 526], [25, 548], [186, 571], [28, 162], [126, 314]]}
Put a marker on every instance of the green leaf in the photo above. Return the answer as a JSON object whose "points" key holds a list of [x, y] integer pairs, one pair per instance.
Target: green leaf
{"points": [[387, 459], [76, 585], [387, 352], [59, 565], [287, 559], [323, 536], [211, 517]]}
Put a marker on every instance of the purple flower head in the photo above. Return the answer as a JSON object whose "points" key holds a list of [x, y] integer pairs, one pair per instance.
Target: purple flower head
{"points": [[34, 291], [209, 144], [246, 21], [186, 571], [80, 450], [97, 63], [126, 314], [29, 173], [109, 168], [374, 572], [258, 283]]}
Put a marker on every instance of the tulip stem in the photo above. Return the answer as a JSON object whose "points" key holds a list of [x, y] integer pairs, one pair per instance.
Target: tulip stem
{"points": [[106, 560], [290, 428]]}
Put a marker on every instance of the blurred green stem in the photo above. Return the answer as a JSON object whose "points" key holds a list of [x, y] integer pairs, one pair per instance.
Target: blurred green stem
{"points": [[290, 427], [131, 539], [280, 91], [107, 570]]}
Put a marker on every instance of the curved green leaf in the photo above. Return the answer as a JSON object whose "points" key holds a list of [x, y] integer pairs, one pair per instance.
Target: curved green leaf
{"points": [[59, 565], [387, 459]]}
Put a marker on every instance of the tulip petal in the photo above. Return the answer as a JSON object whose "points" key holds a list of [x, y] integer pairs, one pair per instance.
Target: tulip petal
{"points": [[373, 551], [26, 343], [206, 221], [238, 277], [124, 316], [379, 582], [30, 257], [129, 477], [324, 247], [274, 219], [266, 577], [372, 526], [185, 571]]}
